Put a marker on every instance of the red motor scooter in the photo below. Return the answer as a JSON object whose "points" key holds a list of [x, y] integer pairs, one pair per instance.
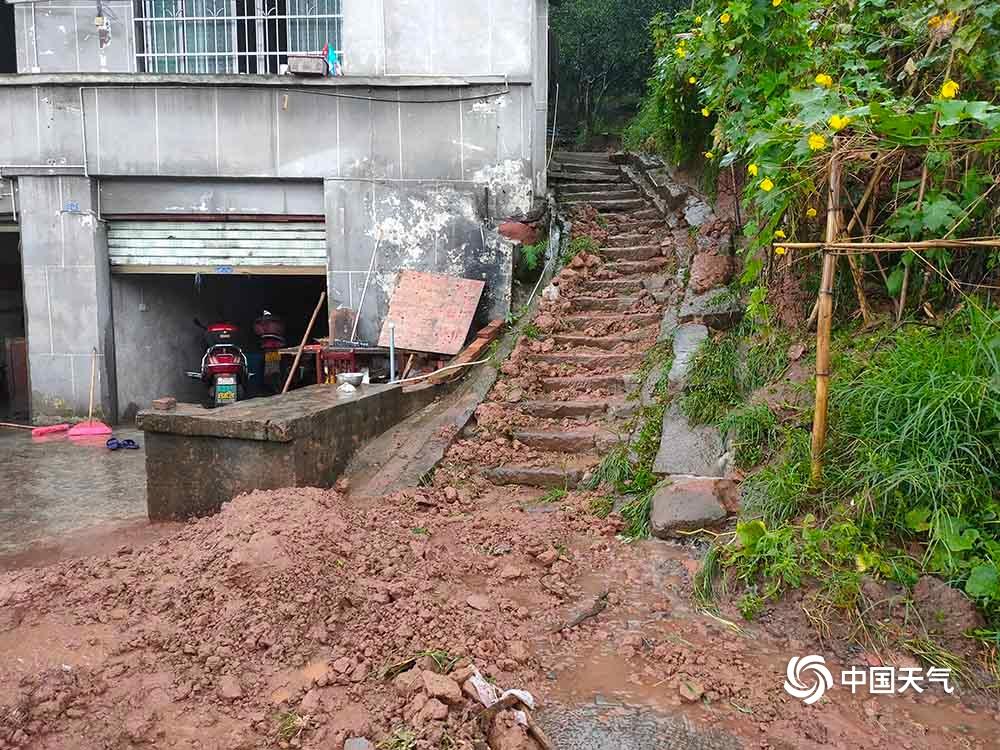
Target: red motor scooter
{"points": [[223, 366], [270, 330]]}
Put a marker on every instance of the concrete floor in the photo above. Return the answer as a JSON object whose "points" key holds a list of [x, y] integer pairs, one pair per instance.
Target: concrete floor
{"points": [[54, 486]]}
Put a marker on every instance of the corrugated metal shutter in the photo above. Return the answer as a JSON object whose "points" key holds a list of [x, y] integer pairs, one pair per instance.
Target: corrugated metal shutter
{"points": [[217, 247]]}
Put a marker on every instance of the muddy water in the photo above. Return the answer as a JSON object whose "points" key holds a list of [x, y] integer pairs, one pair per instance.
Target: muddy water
{"points": [[54, 486]]}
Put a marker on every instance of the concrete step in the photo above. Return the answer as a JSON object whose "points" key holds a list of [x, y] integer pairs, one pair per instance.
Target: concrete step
{"points": [[563, 441], [583, 322], [632, 239], [589, 361], [602, 196], [615, 286], [545, 477], [563, 409], [559, 175], [574, 188], [587, 168], [602, 304], [609, 206], [637, 252], [636, 267], [589, 157], [612, 383]]}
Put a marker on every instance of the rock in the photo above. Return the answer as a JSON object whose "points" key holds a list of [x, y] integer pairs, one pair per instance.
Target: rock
{"points": [[229, 688], [507, 734], [409, 682], [667, 325], [709, 270], [469, 690], [545, 322], [578, 262], [718, 308], [343, 664], [353, 721], [510, 572], [515, 396], [310, 703], [518, 651], [548, 557], [359, 673], [433, 710], [668, 188], [519, 232], [686, 504], [696, 211], [358, 743], [450, 494], [691, 692], [692, 451], [945, 610], [688, 338], [479, 602], [442, 687]]}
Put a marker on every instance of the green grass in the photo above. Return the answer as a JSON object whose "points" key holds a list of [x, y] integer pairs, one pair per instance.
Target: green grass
{"points": [[602, 506], [754, 430], [555, 495], [713, 384], [401, 739], [582, 244]]}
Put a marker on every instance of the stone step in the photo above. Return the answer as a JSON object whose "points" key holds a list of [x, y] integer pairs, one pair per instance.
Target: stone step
{"points": [[574, 188], [583, 322], [603, 304], [628, 226], [633, 239], [635, 252], [563, 409], [602, 196], [615, 286], [613, 206], [545, 477], [564, 441], [558, 175], [589, 168], [590, 157], [613, 383], [635, 267], [606, 343], [591, 361]]}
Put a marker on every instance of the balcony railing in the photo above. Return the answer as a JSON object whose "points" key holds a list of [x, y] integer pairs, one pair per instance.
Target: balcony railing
{"points": [[232, 36]]}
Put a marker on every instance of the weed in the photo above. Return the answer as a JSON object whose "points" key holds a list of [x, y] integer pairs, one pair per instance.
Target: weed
{"points": [[750, 604], [713, 386], [291, 725], [766, 360], [582, 244], [615, 470], [636, 514], [444, 661], [421, 531], [555, 495], [532, 332], [708, 573], [602, 506], [531, 255], [934, 655], [401, 739], [778, 492], [426, 479], [754, 430]]}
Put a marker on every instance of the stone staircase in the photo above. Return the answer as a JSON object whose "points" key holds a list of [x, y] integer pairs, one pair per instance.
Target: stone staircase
{"points": [[560, 401]]}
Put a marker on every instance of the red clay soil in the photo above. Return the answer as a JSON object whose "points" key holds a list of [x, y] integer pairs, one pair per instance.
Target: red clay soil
{"points": [[283, 612]]}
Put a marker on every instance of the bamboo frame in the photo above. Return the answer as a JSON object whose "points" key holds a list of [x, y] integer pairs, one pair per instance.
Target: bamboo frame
{"points": [[825, 320]]}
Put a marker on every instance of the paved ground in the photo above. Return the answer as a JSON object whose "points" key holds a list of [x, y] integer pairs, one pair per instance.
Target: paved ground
{"points": [[55, 486]]}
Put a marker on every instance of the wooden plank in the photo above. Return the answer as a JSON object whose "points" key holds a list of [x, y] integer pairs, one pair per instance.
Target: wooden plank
{"points": [[432, 312]]}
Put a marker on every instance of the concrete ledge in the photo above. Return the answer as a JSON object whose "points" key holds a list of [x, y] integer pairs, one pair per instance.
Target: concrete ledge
{"points": [[198, 459], [251, 81]]}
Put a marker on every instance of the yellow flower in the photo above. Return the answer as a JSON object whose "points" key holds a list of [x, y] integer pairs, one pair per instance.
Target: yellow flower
{"points": [[809, 43], [780, 250], [705, 112], [935, 22], [775, 3], [824, 80], [811, 213], [949, 89], [752, 169], [692, 80], [697, 19], [725, 18], [709, 155], [779, 233], [839, 122], [681, 52], [816, 141], [766, 185]]}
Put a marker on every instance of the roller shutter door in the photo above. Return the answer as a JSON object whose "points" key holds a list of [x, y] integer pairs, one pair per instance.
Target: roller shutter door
{"points": [[252, 247]]}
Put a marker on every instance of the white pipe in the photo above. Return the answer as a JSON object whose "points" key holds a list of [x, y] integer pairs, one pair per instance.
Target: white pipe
{"points": [[364, 291]]}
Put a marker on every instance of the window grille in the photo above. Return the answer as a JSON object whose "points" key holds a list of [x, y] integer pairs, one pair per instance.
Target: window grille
{"points": [[232, 36]]}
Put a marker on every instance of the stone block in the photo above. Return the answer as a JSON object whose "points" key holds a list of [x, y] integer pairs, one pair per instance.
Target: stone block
{"points": [[718, 308], [668, 325], [709, 270], [692, 451], [687, 340], [697, 211], [687, 504], [672, 192], [307, 65]]}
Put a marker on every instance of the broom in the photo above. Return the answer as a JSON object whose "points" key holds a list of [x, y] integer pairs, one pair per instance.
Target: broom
{"points": [[90, 428]]}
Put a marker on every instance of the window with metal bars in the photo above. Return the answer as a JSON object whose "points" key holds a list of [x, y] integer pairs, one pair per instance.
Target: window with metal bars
{"points": [[232, 36]]}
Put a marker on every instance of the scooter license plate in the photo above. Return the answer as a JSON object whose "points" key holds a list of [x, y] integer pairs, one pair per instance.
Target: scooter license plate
{"points": [[272, 363], [225, 390]]}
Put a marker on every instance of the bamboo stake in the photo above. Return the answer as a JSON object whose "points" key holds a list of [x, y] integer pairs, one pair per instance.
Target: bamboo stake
{"points": [[862, 248], [825, 319], [302, 345]]}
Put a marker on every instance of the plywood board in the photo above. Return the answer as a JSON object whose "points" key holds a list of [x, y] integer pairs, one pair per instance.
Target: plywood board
{"points": [[432, 312]]}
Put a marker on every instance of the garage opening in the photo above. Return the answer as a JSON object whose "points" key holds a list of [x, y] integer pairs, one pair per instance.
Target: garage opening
{"points": [[14, 399], [158, 341], [8, 52]]}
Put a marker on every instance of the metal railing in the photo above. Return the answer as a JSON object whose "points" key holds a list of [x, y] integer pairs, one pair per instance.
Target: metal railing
{"points": [[232, 36]]}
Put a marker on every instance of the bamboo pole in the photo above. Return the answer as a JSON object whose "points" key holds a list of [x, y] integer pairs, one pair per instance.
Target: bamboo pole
{"points": [[302, 345], [888, 247], [825, 319]]}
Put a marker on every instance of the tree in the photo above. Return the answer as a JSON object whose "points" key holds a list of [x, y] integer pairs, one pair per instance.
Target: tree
{"points": [[604, 51]]}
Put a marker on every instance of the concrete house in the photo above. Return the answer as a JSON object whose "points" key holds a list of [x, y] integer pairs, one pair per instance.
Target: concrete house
{"points": [[158, 163]]}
